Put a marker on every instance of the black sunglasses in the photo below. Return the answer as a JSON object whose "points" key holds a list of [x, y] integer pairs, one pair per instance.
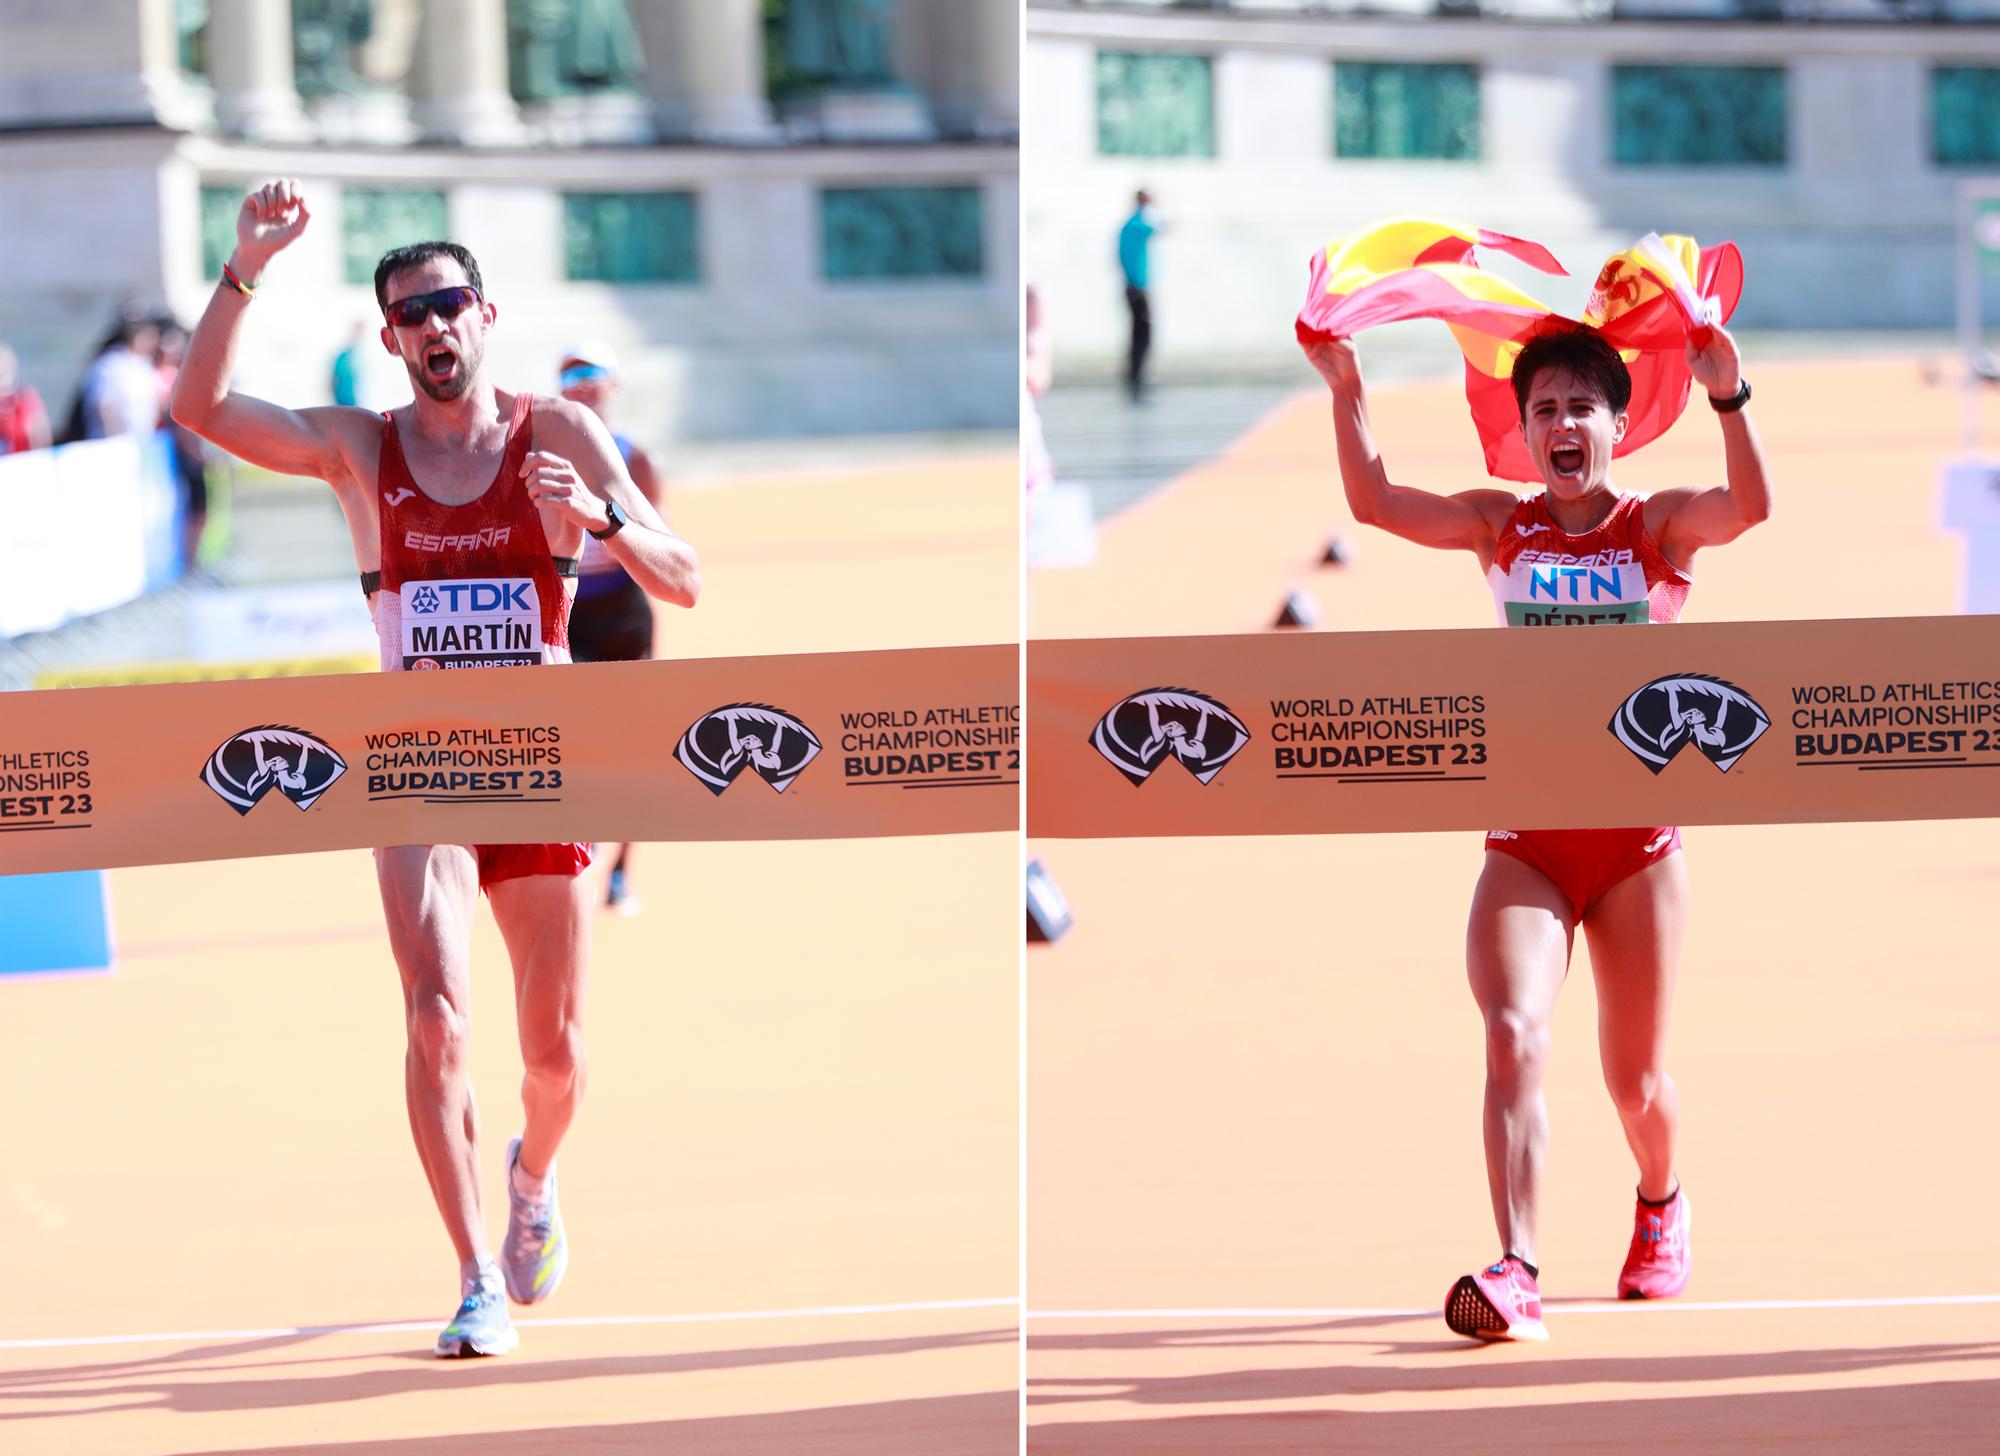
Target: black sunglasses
{"points": [[446, 303]]}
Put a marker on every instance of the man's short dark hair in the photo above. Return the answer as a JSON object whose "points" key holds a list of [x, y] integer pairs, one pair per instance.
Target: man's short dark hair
{"points": [[415, 255], [1579, 352]]}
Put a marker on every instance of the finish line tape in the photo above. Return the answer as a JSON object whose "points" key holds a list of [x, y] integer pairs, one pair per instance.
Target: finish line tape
{"points": [[822, 746], [1326, 733]]}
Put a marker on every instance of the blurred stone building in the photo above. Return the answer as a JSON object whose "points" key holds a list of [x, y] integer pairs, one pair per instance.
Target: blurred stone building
{"points": [[1826, 137], [790, 216]]}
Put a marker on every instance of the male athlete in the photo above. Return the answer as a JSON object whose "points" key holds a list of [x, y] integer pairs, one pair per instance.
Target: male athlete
{"points": [[464, 483]]}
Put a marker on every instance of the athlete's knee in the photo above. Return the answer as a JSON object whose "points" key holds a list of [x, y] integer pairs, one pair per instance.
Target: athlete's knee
{"points": [[555, 1059], [1517, 1045], [1634, 1090], [439, 1031]]}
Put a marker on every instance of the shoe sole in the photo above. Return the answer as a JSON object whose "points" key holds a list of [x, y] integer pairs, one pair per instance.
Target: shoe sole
{"points": [[1687, 1269], [1468, 1312], [464, 1349]]}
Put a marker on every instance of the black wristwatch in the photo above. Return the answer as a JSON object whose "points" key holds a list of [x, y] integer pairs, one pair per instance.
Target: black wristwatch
{"points": [[614, 521], [1734, 402]]}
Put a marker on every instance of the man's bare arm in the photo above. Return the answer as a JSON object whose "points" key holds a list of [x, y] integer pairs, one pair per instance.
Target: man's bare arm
{"points": [[575, 468], [291, 442]]}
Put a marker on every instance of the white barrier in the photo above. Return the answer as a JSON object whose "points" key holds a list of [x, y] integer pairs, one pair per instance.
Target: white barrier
{"points": [[84, 528]]}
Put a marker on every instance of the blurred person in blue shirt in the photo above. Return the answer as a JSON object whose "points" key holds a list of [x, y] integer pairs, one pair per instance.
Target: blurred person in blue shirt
{"points": [[1135, 241]]}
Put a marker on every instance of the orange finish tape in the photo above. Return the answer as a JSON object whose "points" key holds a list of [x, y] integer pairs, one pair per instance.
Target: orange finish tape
{"points": [[1327, 733], [824, 746]]}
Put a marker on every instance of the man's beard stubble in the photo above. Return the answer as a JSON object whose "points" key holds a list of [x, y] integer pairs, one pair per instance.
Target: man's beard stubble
{"points": [[456, 387]]}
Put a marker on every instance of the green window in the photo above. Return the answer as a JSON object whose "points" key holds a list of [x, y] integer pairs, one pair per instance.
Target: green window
{"points": [[1406, 111], [901, 232], [1155, 104], [1698, 116], [1965, 116], [219, 206], [630, 237], [191, 37], [378, 219]]}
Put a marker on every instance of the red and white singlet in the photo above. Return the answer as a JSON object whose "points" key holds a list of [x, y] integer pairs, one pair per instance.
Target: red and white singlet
{"points": [[1543, 577], [472, 585], [1613, 574]]}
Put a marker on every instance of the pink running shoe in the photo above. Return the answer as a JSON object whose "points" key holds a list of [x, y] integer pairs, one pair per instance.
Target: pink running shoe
{"points": [[1500, 1303], [1660, 1260]]}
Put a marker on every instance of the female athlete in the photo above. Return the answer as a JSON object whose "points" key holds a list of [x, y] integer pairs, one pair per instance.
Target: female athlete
{"points": [[1627, 888]]}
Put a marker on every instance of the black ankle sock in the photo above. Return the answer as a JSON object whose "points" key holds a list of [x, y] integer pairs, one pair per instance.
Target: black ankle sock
{"points": [[1663, 1202], [1533, 1272]]}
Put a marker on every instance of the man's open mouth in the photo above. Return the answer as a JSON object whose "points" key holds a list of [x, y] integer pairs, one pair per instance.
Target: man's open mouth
{"points": [[440, 363]]}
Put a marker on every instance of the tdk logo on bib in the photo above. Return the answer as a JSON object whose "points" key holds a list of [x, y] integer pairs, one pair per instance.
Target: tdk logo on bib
{"points": [[471, 623], [1669, 713], [1143, 731], [466, 598], [768, 741], [298, 764]]}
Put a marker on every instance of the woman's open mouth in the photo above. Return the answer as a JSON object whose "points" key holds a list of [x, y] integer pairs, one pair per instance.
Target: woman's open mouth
{"points": [[1567, 461]]}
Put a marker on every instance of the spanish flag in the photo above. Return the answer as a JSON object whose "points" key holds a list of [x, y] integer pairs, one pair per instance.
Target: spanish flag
{"points": [[1647, 303]]}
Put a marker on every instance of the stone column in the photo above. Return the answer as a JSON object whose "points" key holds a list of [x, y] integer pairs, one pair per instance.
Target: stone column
{"points": [[966, 55], [458, 81], [705, 69], [127, 71], [250, 67]]}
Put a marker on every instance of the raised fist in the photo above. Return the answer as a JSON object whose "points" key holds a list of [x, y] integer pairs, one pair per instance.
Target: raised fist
{"points": [[270, 218], [1337, 361]]}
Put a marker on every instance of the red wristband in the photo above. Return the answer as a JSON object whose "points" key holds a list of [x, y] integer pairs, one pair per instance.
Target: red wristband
{"points": [[248, 290]]}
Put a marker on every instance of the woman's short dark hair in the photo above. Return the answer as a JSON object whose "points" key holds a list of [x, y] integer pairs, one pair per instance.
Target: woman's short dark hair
{"points": [[415, 255], [1581, 353]]}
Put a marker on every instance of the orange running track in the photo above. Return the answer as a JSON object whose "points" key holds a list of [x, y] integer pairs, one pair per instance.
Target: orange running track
{"points": [[1254, 1069], [792, 1189]]}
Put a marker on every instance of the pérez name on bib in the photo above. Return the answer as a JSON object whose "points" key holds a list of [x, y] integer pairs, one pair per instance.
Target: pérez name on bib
{"points": [[493, 622]]}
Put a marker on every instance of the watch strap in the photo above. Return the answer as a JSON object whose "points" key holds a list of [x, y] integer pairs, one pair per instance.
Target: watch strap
{"points": [[1734, 402]]}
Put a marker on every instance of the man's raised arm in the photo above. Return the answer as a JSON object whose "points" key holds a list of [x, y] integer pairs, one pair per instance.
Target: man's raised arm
{"points": [[291, 442]]}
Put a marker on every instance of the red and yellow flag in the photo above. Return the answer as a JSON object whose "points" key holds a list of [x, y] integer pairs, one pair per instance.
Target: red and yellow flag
{"points": [[1647, 302]]}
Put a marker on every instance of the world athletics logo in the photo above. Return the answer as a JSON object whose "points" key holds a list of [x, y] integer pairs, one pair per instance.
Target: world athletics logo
{"points": [[768, 741], [1668, 714], [1143, 731], [299, 765]]}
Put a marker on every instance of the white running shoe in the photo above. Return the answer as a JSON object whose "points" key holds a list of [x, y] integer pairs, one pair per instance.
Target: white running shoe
{"points": [[534, 1255], [481, 1326]]}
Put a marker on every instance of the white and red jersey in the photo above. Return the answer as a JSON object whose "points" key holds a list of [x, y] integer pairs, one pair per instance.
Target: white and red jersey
{"points": [[1543, 577], [471, 585]]}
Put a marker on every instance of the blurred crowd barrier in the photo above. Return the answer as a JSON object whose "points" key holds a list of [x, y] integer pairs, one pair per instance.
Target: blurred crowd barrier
{"points": [[84, 528]]}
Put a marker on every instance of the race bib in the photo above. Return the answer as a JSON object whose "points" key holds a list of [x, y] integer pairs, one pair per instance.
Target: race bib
{"points": [[495, 622]]}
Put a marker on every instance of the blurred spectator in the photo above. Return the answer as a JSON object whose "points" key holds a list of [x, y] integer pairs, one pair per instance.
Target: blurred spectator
{"points": [[367, 375], [24, 423], [347, 367], [1038, 371], [190, 471], [121, 393], [1135, 261], [612, 618]]}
